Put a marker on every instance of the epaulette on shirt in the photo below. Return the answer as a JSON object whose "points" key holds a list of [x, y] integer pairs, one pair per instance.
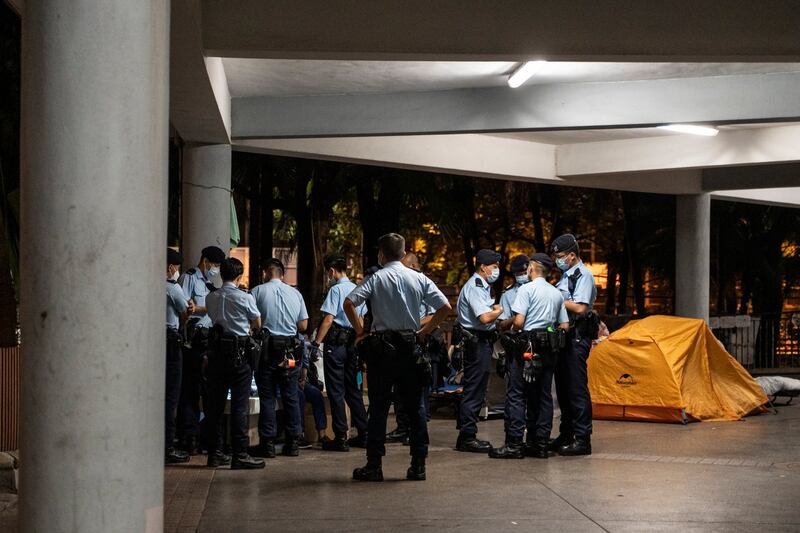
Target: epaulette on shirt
{"points": [[172, 281], [210, 286], [191, 271], [478, 282]]}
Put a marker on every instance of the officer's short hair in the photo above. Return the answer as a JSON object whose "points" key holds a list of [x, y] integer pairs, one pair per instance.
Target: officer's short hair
{"points": [[336, 262], [540, 268], [213, 253], [392, 245], [274, 264], [230, 269]]}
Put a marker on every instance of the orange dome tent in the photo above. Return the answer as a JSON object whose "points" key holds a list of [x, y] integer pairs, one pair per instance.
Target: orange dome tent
{"points": [[669, 369]]}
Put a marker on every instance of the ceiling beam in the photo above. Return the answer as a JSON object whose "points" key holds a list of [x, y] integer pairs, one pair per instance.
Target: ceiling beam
{"points": [[196, 95], [752, 176], [786, 197], [533, 107], [512, 30], [756, 146]]}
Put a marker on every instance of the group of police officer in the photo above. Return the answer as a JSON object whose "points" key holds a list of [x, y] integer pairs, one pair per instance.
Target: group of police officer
{"points": [[219, 337]]}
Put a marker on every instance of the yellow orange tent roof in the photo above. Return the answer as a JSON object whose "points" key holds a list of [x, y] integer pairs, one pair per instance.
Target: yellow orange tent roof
{"points": [[665, 368]]}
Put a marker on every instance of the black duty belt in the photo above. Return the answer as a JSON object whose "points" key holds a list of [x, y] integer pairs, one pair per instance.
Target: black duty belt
{"points": [[488, 336]]}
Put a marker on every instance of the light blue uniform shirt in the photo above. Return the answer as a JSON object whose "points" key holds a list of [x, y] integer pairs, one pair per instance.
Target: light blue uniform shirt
{"points": [[176, 304], [541, 304], [585, 291], [232, 308], [474, 300], [195, 287], [281, 307], [397, 294], [334, 302], [507, 300]]}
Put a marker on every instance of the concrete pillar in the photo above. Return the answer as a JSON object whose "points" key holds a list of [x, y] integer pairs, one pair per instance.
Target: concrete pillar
{"points": [[94, 217], [693, 257], [206, 199]]}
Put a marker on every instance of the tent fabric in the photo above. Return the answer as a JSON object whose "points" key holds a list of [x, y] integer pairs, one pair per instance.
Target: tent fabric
{"points": [[669, 369]]}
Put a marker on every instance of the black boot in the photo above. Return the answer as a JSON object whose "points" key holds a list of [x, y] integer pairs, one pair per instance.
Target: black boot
{"points": [[580, 446], [359, 441], [290, 447], [243, 461], [398, 435], [173, 456], [416, 472], [217, 459], [266, 449], [372, 471], [337, 444], [558, 442], [189, 445], [512, 449], [468, 443], [537, 448]]}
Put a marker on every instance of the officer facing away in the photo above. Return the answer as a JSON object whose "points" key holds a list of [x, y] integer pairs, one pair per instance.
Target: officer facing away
{"points": [[477, 314], [339, 359], [283, 314], [572, 385], [178, 307], [519, 268], [540, 316], [396, 293], [234, 315], [196, 284]]}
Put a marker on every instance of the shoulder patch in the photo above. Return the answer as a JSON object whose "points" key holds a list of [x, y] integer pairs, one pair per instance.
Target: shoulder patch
{"points": [[191, 271], [478, 282], [210, 287], [172, 281]]}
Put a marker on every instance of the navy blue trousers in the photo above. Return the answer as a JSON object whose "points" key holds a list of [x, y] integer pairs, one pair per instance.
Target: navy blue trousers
{"points": [[270, 379], [340, 364], [223, 376], [572, 387], [528, 405], [172, 392], [313, 395], [477, 364], [399, 371]]}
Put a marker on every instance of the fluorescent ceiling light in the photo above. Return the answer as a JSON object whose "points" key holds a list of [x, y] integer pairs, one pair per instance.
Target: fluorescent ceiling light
{"points": [[708, 131], [524, 72]]}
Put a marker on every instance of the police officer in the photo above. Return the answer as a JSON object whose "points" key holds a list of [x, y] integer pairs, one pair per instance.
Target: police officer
{"points": [[234, 315], [197, 283], [283, 314], [177, 311], [477, 314], [395, 293], [339, 359], [538, 311], [519, 268], [572, 385]]}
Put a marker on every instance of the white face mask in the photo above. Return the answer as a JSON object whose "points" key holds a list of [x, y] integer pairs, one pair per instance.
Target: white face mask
{"points": [[493, 275], [175, 275]]}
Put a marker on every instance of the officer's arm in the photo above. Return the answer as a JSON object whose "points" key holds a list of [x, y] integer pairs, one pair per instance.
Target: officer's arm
{"points": [[424, 320], [518, 321], [436, 319], [507, 323], [323, 328], [564, 325], [490, 316], [352, 315], [574, 307], [255, 324], [302, 325]]}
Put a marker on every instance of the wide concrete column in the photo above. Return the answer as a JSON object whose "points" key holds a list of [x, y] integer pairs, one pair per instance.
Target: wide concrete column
{"points": [[693, 257], [94, 218], [206, 199]]}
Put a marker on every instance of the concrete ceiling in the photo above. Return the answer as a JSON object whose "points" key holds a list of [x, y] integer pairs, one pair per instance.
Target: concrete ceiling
{"points": [[562, 137], [283, 77]]}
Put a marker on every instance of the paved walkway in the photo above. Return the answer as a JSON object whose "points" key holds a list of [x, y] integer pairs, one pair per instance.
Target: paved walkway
{"points": [[714, 476], [726, 476]]}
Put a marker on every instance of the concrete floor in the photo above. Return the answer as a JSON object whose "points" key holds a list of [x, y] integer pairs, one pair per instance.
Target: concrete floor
{"points": [[726, 476], [714, 476]]}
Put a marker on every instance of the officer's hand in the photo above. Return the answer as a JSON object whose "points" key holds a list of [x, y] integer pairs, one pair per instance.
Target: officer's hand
{"points": [[360, 337], [190, 306], [497, 307]]}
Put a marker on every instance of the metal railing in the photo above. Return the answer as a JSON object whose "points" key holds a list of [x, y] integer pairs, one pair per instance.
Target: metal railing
{"points": [[767, 341]]}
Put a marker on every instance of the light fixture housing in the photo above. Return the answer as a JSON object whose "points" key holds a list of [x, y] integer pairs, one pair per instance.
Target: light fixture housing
{"points": [[524, 72], [693, 129]]}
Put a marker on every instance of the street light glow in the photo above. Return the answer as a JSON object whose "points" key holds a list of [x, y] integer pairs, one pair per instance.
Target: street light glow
{"points": [[708, 131], [524, 73]]}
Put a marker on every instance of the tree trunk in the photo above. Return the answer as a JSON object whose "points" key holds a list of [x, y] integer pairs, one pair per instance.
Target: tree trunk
{"points": [[365, 195], [535, 202], [624, 270], [611, 290], [628, 204]]}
